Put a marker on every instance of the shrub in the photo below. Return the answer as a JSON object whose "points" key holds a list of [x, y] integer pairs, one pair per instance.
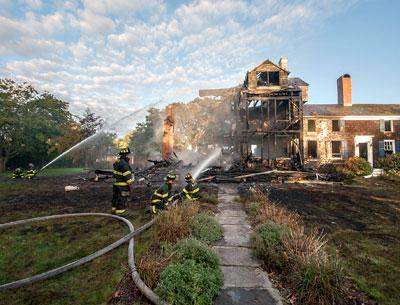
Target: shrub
{"points": [[356, 166], [151, 264], [319, 284], [302, 249], [391, 164], [276, 213], [267, 241], [189, 283], [192, 249], [209, 198], [204, 227], [173, 224]]}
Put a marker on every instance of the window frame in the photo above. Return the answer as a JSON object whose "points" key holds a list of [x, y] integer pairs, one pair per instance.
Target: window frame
{"points": [[391, 125], [308, 125], [309, 156], [338, 125], [338, 155], [393, 143]]}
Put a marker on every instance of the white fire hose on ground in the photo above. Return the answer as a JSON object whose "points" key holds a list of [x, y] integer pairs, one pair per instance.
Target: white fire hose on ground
{"points": [[147, 292]]}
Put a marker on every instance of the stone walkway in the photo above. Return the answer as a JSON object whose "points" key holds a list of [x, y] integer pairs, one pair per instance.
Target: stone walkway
{"points": [[245, 282]]}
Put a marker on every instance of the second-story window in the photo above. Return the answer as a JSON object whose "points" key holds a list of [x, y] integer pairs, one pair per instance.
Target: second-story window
{"points": [[335, 125], [267, 78], [388, 125], [311, 125]]}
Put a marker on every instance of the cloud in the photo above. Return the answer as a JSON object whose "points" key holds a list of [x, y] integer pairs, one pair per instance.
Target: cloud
{"points": [[130, 53]]}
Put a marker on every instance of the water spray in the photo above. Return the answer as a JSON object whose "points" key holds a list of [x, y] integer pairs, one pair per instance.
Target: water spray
{"points": [[214, 155]]}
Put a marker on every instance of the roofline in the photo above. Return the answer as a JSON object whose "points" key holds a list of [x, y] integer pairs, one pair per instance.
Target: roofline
{"points": [[309, 104], [268, 60]]}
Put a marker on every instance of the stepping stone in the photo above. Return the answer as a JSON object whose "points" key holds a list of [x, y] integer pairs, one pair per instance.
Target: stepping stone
{"points": [[231, 220], [235, 256], [231, 213], [236, 235], [245, 277], [247, 296]]}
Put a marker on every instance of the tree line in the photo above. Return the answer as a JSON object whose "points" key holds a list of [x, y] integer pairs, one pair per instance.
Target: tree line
{"points": [[36, 127]]}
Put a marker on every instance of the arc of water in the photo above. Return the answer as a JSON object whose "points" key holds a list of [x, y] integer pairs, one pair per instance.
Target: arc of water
{"points": [[206, 162]]}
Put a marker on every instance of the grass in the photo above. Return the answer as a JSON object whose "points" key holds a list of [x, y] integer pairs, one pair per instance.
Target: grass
{"points": [[362, 224], [51, 172], [280, 240], [30, 250]]}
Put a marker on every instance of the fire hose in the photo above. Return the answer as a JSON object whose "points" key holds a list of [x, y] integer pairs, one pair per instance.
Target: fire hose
{"points": [[147, 292]]}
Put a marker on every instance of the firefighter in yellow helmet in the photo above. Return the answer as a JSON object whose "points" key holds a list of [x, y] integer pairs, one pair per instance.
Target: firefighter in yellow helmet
{"points": [[191, 189], [123, 179], [31, 172], [163, 195]]}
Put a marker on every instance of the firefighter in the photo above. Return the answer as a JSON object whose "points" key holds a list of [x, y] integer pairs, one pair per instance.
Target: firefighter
{"points": [[163, 195], [123, 179], [31, 172], [191, 190], [18, 174]]}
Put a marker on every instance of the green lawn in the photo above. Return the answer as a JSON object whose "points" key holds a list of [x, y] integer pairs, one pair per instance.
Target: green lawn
{"points": [[51, 172]]}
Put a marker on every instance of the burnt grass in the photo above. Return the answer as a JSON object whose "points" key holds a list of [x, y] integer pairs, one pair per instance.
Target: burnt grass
{"points": [[104, 280], [362, 223]]}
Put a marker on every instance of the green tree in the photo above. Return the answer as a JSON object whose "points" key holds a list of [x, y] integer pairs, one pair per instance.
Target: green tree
{"points": [[28, 120]]}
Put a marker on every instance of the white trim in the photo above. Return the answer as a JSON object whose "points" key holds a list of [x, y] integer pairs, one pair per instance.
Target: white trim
{"points": [[356, 117], [364, 139], [393, 145]]}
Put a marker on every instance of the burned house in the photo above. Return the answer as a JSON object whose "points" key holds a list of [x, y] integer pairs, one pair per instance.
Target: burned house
{"points": [[275, 124], [335, 132], [269, 114]]}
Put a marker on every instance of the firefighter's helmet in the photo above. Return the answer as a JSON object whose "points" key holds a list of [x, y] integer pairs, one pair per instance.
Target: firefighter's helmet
{"points": [[170, 177], [124, 151], [188, 177]]}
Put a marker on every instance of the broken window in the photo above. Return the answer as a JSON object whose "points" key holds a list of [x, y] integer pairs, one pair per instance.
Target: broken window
{"points": [[388, 146], [312, 149], [335, 125], [311, 125], [388, 125], [267, 78], [336, 149]]}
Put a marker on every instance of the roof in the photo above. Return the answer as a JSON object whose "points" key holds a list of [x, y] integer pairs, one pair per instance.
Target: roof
{"points": [[269, 62], [296, 81], [354, 110]]}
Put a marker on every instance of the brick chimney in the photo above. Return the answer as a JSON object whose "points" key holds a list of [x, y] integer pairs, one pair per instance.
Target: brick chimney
{"points": [[168, 134], [344, 90], [283, 63]]}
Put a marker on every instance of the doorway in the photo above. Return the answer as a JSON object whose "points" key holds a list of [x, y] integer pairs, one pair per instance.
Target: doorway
{"points": [[364, 148]]}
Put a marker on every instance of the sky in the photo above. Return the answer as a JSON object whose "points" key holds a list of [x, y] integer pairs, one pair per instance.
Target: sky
{"points": [[115, 56]]}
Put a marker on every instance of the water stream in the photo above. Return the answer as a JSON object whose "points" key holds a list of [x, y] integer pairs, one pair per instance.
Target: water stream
{"points": [[206, 162], [106, 128]]}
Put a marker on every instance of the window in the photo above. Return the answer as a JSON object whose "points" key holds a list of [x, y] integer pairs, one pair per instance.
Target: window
{"points": [[312, 149], [388, 146], [336, 149], [311, 125], [388, 125], [267, 78], [335, 125]]}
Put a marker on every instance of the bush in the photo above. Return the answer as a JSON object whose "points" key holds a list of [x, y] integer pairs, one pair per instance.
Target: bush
{"points": [[302, 249], [391, 164], [356, 166], [192, 249], [189, 283], [319, 284], [205, 228], [267, 241], [276, 213], [173, 224], [151, 264]]}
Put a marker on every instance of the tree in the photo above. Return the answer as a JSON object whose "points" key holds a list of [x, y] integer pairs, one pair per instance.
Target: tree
{"points": [[28, 120]]}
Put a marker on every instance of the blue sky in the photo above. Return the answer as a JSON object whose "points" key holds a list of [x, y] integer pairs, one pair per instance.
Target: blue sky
{"points": [[116, 56]]}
